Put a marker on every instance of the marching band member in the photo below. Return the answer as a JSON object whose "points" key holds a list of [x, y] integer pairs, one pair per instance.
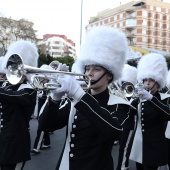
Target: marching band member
{"points": [[149, 148], [42, 139], [167, 132], [17, 105], [94, 118], [129, 75]]}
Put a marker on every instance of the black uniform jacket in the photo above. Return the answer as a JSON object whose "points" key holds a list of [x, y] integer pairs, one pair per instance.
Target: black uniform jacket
{"points": [[16, 108], [151, 121], [95, 127]]}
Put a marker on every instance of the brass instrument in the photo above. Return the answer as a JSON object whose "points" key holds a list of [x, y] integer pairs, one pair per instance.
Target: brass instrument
{"points": [[127, 89], [16, 69]]}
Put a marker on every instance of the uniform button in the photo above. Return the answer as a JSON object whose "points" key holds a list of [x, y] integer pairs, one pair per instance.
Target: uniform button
{"points": [[1, 126], [1, 113], [0, 106], [142, 119], [142, 103], [74, 126], [75, 117], [1, 119], [141, 113], [143, 130], [142, 108], [142, 124], [71, 155], [72, 135], [72, 145]]}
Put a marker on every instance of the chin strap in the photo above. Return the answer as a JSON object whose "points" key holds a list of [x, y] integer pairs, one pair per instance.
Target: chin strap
{"points": [[94, 82], [153, 86]]}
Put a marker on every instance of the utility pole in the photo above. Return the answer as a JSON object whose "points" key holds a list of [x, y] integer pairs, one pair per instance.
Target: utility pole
{"points": [[81, 21]]}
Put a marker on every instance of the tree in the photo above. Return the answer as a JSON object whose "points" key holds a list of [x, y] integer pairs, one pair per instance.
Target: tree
{"points": [[47, 59]]}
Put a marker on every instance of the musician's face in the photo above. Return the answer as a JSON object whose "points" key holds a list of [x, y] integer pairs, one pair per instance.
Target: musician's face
{"points": [[151, 84], [95, 72]]}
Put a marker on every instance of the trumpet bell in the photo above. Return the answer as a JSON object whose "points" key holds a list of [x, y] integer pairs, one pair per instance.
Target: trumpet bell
{"points": [[14, 69], [128, 89]]}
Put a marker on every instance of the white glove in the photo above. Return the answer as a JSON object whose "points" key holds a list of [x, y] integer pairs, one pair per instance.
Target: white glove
{"points": [[63, 67], [70, 86], [144, 95], [55, 95]]}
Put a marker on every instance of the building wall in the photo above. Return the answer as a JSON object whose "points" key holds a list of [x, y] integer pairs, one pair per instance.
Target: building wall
{"points": [[145, 22], [57, 45]]}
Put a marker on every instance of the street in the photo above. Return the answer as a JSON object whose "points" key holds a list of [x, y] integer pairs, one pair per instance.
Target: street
{"points": [[47, 159]]}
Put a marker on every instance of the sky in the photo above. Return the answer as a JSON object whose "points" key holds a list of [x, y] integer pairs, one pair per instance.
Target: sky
{"points": [[58, 16]]}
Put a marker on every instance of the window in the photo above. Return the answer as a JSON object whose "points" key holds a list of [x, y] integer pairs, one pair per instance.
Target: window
{"points": [[144, 31], [145, 40], [167, 10], [144, 22], [154, 32], [108, 20], [130, 22], [115, 17], [151, 8], [120, 24], [144, 13], [160, 25], [121, 16], [153, 24], [158, 9]]}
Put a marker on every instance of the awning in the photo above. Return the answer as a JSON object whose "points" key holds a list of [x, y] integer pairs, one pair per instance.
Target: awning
{"points": [[138, 49]]}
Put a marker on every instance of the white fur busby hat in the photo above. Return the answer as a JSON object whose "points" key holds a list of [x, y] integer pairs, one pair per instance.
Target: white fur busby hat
{"points": [[129, 74], [168, 79], [153, 66], [26, 50], [104, 46]]}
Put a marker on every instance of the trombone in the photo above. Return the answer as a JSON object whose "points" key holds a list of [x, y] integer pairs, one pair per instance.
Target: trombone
{"points": [[15, 70]]}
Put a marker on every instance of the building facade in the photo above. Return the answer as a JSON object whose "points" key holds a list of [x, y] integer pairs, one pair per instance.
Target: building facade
{"points": [[56, 45], [145, 22]]}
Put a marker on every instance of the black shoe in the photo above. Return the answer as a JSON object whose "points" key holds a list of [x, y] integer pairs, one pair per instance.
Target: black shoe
{"points": [[45, 147], [35, 152], [115, 142]]}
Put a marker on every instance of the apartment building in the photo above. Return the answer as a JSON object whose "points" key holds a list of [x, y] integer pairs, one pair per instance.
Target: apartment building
{"points": [[145, 22], [56, 45]]}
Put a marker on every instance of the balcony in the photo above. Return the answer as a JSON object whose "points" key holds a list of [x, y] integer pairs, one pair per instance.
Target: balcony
{"points": [[128, 34]]}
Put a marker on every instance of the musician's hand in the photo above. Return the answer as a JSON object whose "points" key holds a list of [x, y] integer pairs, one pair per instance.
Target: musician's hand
{"points": [[71, 86], [63, 67], [56, 95], [144, 95]]}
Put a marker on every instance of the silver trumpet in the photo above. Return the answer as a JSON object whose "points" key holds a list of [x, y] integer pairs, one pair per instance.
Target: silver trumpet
{"points": [[16, 70], [127, 89]]}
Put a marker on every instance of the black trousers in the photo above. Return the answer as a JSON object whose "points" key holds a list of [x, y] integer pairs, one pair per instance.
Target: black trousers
{"points": [[20, 166], [42, 137], [142, 167], [125, 145], [168, 144]]}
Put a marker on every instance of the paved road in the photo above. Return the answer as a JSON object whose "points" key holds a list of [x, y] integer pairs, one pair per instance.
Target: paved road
{"points": [[47, 159]]}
